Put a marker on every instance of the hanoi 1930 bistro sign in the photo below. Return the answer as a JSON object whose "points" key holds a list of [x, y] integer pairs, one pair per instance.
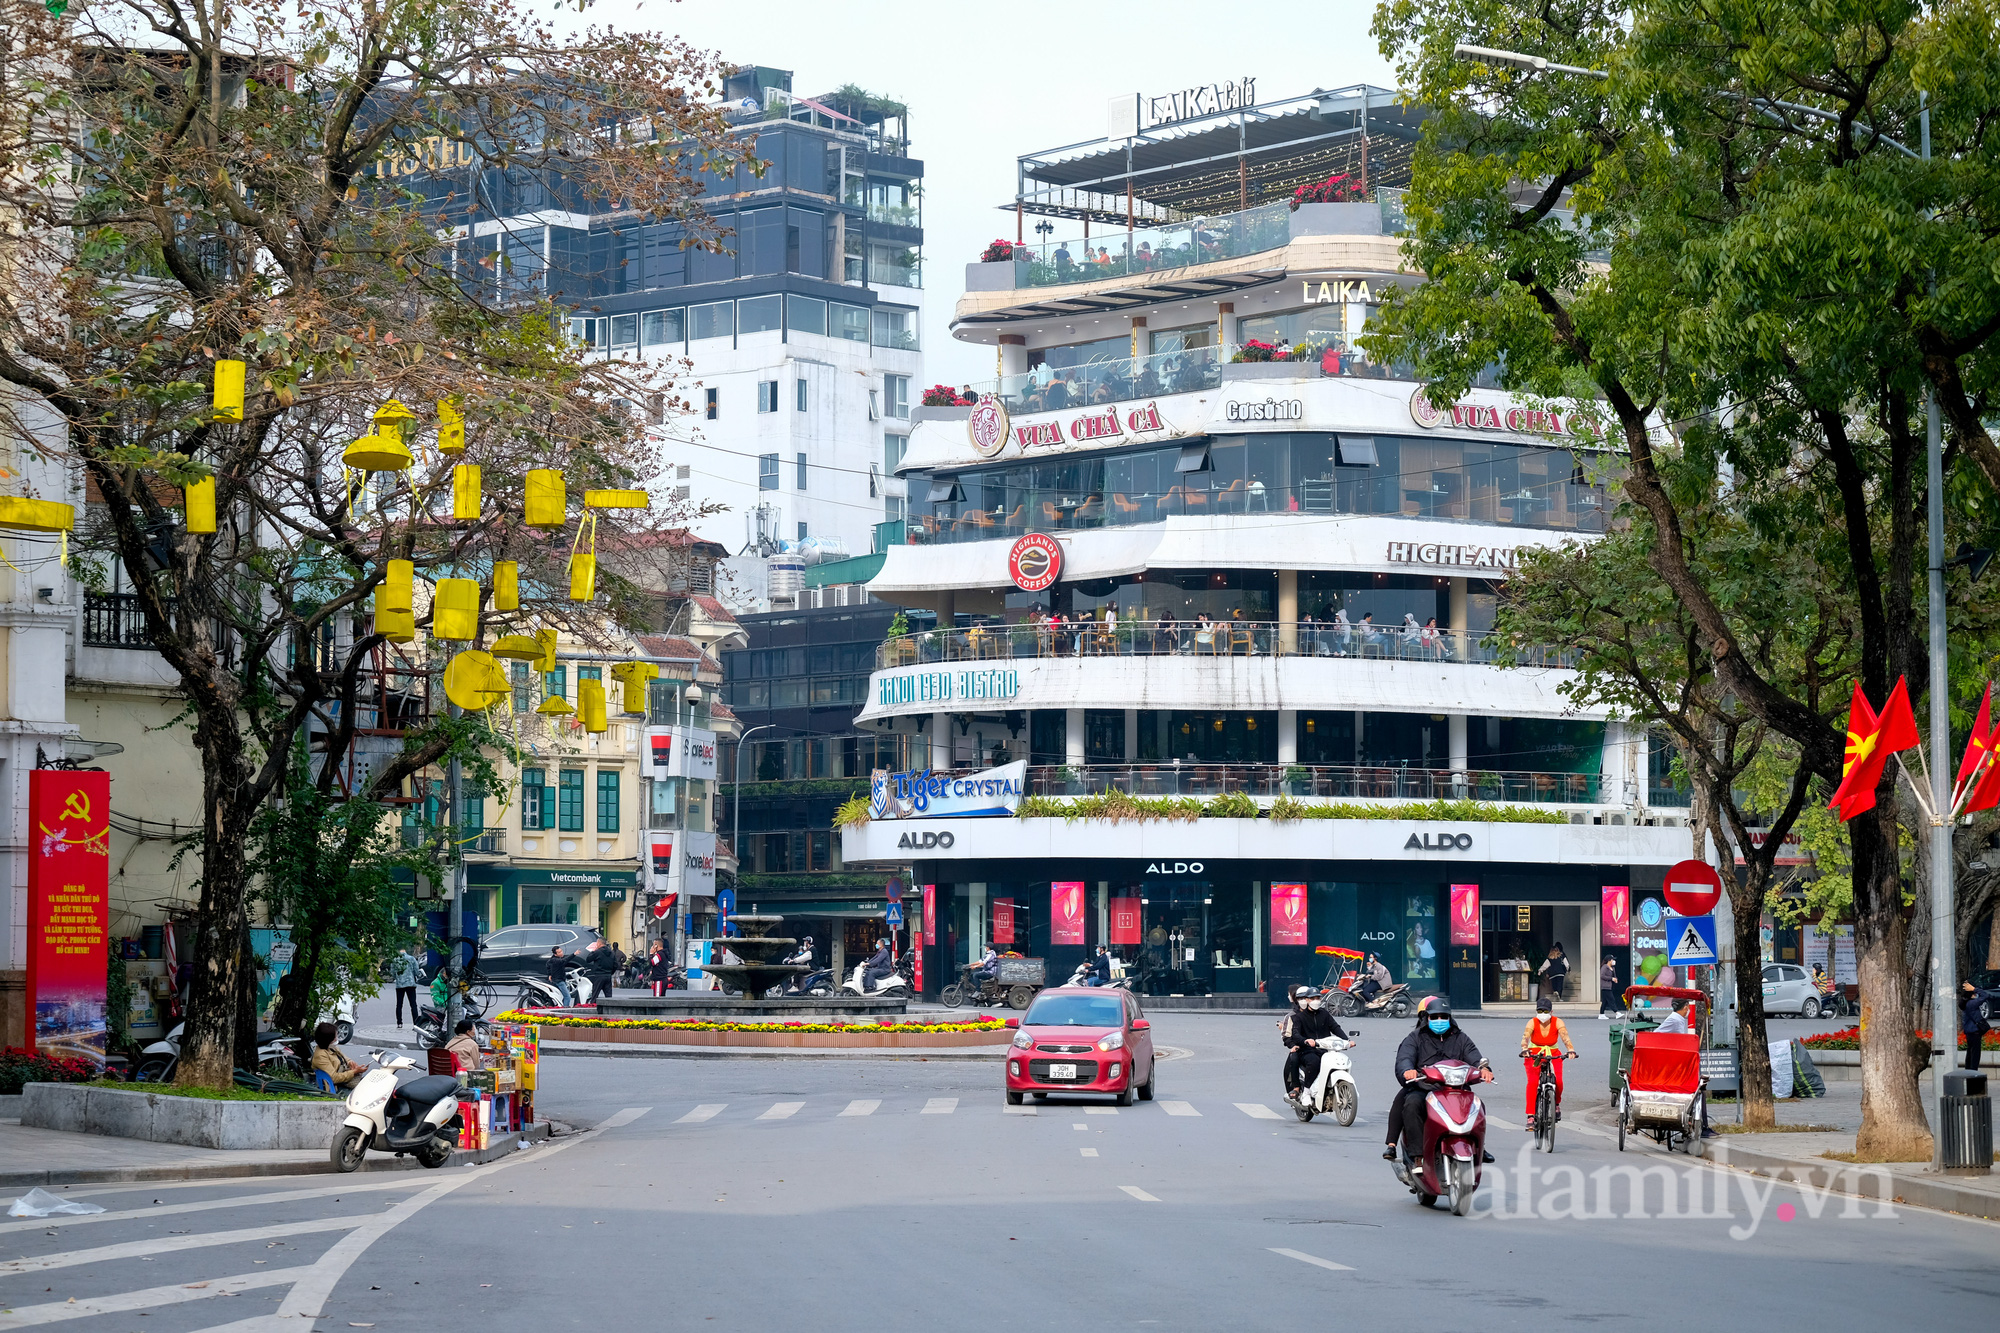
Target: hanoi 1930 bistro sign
{"points": [[943, 687]]}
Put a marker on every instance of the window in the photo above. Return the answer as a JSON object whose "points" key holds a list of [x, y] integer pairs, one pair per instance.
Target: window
{"points": [[663, 328], [713, 407], [524, 700], [569, 801], [472, 819], [767, 472], [607, 800], [767, 395], [896, 396], [714, 320], [893, 447], [624, 331], [803, 395], [802, 471], [590, 673], [757, 314], [892, 509], [802, 532], [895, 327], [534, 812], [851, 322], [805, 314], [583, 331]]}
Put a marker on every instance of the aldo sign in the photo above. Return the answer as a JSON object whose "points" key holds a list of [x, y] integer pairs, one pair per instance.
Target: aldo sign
{"points": [[1421, 841]]}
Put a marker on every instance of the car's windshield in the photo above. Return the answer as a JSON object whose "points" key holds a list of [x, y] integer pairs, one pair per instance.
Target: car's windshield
{"points": [[1076, 1011]]}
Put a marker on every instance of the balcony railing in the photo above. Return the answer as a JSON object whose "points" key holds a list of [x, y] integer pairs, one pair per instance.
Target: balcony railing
{"points": [[1047, 389], [493, 842], [1157, 249], [1139, 637], [114, 620], [1397, 782]]}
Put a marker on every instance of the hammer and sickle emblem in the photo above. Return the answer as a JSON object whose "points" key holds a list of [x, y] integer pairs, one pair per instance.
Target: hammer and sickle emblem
{"points": [[76, 805]]}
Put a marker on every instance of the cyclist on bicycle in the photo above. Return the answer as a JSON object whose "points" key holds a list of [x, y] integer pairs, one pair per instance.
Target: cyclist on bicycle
{"points": [[1545, 1033]]}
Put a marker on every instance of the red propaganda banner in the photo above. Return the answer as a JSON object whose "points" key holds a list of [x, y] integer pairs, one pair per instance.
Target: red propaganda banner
{"points": [[69, 881], [1288, 914], [930, 914], [1126, 918], [1614, 920], [1465, 914], [1003, 920], [1066, 913]]}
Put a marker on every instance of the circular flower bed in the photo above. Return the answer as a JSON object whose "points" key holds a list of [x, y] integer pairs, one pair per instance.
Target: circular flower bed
{"points": [[984, 1023], [1849, 1039]]}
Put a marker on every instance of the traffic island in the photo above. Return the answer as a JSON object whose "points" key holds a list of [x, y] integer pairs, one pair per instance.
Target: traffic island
{"points": [[197, 1122], [798, 1034]]}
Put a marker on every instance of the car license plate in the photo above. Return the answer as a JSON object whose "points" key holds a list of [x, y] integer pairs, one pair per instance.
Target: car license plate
{"points": [[1062, 1072]]}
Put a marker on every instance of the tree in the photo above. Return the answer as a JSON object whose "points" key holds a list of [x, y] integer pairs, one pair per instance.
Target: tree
{"points": [[280, 189], [1761, 290]]}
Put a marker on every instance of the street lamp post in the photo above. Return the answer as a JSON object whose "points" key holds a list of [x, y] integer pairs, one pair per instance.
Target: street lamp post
{"points": [[1944, 951]]}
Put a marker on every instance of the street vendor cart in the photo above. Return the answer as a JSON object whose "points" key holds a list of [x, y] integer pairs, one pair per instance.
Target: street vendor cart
{"points": [[1663, 1093]]}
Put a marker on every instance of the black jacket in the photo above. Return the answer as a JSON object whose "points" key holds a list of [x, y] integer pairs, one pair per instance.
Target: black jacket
{"points": [[1311, 1025], [660, 968], [1424, 1047], [1100, 966], [559, 966], [600, 962]]}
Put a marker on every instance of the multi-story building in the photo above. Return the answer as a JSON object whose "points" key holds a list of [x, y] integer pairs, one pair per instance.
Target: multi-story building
{"points": [[1277, 581]]}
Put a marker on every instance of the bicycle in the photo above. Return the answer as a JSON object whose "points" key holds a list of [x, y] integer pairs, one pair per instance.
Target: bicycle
{"points": [[1547, 1106]]}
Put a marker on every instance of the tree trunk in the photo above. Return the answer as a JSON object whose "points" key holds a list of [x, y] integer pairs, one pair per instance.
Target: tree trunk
{"points": [[1893, 1125], [246, 1004], [208, 1039], [1993, 940], [1753, 1043]]}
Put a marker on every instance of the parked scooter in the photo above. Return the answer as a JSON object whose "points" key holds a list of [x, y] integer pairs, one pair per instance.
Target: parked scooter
{"points": [[275, 1055], [1454, 1138], [1390, 1002], [393, 1108], [895, 983], [1332, 1090]]}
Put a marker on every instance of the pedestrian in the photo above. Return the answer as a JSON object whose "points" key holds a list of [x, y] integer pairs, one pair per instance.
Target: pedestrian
{"points": [[1974, 1023], [558, 974], [1554, 970], [600, 965], [464, 1048], [403, 976], [1607, 990], [659, 969]]}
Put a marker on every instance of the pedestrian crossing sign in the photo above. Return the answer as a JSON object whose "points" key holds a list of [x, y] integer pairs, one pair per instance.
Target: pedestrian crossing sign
{"points": [[1691, 941]]}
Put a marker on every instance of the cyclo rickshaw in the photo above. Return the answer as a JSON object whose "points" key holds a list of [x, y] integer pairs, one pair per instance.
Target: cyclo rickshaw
{"points": [[1663, 1092], [1018, 980]]}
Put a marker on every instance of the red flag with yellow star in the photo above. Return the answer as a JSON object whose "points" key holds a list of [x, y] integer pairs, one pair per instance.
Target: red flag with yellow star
{"points": [[1871, 739], [1979, 750]]}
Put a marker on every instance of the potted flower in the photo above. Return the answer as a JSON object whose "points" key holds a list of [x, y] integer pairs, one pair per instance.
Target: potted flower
{"points": [[1254, 350], [1336, 189], [999, 252], [943, 395]]}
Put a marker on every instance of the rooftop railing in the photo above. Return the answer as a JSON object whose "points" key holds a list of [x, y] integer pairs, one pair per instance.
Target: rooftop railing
{"points": [[1392, 782], [1143, 637], [1158, 249]]}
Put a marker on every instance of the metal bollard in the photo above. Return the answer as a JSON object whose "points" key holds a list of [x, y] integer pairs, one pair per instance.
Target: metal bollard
{"points": [[1965, 1122]]}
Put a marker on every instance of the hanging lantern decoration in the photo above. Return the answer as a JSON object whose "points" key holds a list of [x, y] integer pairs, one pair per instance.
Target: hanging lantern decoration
{"points": [[547, 661], [518, 648], [377, 453], [24, 515], [590, 706], [473, 680], [201, 505], [455, 609], [465, 492], [451, 427], [554, 706], [398, 581], [614, 500], [228, 392], [506, 586], [390, 420], [635, 677], [544, 501], [393, 625], [582, 576]]}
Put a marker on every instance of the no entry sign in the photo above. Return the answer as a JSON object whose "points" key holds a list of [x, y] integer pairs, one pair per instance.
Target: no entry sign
{"points": [[1693, 888]]}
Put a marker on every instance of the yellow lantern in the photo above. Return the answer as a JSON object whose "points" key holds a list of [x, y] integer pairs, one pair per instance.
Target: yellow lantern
{"points": [[547, 661], [395, 591], [378, 453], [228, 393], [590, 705], [455, 609], [451, 427], [634, 677], [25, 515], [201, 505], [506, 586], [544, 499], [614, 500], [554, 706], [465, 492], [395, 626], [474, 681], [582, 577], [389, 419], [518, 648]]}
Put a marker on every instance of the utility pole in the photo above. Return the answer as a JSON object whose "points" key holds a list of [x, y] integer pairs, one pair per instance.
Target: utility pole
{"points": [[454, 1007]]}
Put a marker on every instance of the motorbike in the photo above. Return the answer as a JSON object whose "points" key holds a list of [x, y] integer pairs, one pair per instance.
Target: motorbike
{"points": [[895, 983], [393, 1108], [1454, 1138], [1392, 1001], [432, 1032], [815, 983], [1120, 978], [1332, 1090], [276, 1054]]}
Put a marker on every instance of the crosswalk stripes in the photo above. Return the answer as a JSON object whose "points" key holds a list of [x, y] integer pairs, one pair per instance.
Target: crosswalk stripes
{"points": [[1022, 1110], [940, 1106], [1257, 1111], [1139, 1194], [146, 1300], [706, 1111], [782, 1111], [869, 1106], [1088, 1152], [1178, 1108], [861, 1107]]}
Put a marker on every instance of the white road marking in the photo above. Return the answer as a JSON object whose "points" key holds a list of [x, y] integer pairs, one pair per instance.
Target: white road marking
{"points": [[1256, 1111], [940, 1106], [1079, 1126], [624, 1117], [1138, 1194], [1100, 1110], [172, 1244], [1022, 1110], [1088, 1152], [706, 1111], [1312, 1259], [50, 1312], [781, 1111], [405, 1182], [1178, 1108], [861, 1108]]}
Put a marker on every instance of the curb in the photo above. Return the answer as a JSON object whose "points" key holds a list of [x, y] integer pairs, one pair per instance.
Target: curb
{"points": [[1918, 1190], [612, 1051]]}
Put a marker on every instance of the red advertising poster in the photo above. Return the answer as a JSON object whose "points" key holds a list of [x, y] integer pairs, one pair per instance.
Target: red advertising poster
{"points": [[1125, 920], [930, 914], [69, 877], [1614, 921], [1288, 914], [1066, 913], [1003, 920], [1465, 914]]}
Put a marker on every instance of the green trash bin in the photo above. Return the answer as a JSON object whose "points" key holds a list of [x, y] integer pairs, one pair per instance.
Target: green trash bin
{"points": [[1623, 1029]]}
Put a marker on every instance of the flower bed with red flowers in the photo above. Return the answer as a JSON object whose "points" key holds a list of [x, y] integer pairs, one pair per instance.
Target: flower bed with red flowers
{"points": [[943, 395], [1337, 189], [1849, 1039], [19, 1067], [984, 1023], [1000, 251]]}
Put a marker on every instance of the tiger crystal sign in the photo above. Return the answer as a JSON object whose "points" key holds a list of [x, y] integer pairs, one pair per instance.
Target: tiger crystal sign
{"points": [[69, 877]]}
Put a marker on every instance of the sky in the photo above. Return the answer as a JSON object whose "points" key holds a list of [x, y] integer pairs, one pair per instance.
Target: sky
{"points": [[985, 84]]}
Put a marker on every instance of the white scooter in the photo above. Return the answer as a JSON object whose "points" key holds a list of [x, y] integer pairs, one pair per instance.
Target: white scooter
{"points": [[1120, 978], [158, 1060], [393, 1108], [1332, 1091], [895, 983]]}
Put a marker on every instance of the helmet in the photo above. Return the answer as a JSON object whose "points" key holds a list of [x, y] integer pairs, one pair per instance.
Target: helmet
{"points": [[807, 940], [1437, 1006]]}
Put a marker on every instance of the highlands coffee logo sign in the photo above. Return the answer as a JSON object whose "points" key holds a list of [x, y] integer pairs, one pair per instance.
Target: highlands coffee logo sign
{"points": [[1439, 842], [924, 842], [1443, 553]]}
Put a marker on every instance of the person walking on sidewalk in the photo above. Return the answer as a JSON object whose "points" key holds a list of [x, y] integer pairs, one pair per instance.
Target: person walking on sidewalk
{"points": [[1974, 1023], [1607, 989], [403, 976]]}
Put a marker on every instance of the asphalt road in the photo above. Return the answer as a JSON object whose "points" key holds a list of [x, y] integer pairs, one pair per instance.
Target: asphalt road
{"points": [[901, 1195]]}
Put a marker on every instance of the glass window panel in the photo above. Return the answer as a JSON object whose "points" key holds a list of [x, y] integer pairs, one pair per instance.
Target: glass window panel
{"points": [[663, 328], [805, 314], [717, 319], [757, 314], [850, 322], [624, 330]]}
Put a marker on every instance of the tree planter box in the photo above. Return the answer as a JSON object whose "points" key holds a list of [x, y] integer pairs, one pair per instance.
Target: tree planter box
{"points": [[194, 1121], [1841, 1066], [920, 413], [781, 1040]]}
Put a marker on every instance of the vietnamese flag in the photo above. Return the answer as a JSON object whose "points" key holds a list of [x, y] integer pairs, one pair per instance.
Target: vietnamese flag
{"points": [[1871, 739], [1979, 750]]}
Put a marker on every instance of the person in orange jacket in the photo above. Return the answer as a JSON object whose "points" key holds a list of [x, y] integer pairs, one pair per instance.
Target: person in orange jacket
{"points": [[1545, 1033]]}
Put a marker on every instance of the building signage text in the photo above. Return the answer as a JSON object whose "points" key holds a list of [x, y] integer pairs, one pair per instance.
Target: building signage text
{"points": [[1336, 291], [1173, 867], [1271, 409], [986, 426], [1491, 416], [1098, 425], [921, 795], [1470, 557], [923, 842], [1206, 99], [1035, 562], [1439, 842], [938, 687]]}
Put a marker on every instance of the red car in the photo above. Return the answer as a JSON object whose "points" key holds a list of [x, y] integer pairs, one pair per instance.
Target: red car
{"points": [[1081, 1039]]}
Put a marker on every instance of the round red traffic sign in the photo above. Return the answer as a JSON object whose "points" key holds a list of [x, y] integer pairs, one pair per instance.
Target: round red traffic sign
{"points": [[1035, 562], [1693, 888]]}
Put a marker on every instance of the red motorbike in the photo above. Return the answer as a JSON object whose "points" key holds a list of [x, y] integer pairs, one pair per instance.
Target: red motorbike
{"points": [[1454, 1138]]}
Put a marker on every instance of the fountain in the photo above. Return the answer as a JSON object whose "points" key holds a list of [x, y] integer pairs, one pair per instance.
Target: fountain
{"points": [[756, 974], [760, 969]]}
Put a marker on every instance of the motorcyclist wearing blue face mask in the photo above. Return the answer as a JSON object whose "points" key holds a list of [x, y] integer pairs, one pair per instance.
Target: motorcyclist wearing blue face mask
{"points": [[1437, 1037]]}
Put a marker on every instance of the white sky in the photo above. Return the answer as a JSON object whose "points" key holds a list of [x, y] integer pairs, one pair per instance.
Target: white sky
{"points": [[985, 83]]}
